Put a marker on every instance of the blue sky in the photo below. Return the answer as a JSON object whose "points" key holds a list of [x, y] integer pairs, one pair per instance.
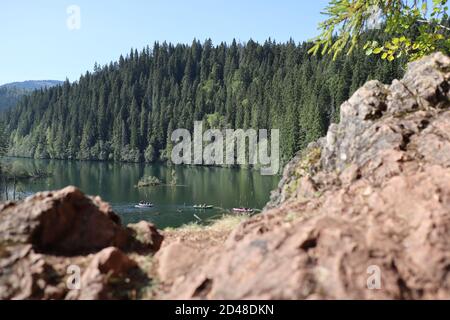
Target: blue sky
{"points": [[37, 44]]}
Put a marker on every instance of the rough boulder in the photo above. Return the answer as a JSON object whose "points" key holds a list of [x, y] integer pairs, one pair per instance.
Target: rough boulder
{"points": [[48, 236], [363, 213]]}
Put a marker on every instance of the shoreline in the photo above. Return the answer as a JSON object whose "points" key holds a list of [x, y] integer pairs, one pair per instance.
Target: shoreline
{"points": [[162, 163]]}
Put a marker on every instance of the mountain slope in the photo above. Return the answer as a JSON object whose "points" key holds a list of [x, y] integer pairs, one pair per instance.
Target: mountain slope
{"points": [[31, 85], [11, 93]]}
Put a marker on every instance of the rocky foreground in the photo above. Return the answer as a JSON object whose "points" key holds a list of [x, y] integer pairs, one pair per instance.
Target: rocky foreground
{"points": [[45, 238], [372, 198]]}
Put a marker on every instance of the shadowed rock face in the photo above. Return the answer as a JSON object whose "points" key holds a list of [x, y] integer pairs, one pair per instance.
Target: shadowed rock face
{"points": [[371, 201]]}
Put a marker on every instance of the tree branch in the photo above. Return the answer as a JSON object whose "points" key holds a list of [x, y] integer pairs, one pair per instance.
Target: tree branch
{"points": [[429, 23]]}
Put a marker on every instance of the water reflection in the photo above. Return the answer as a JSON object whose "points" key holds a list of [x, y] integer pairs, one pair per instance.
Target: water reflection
{"points": [[115, 183]]}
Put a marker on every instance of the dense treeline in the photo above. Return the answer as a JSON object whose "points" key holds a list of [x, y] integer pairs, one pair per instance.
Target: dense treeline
{"points": [[9, 97], [126, 111]]}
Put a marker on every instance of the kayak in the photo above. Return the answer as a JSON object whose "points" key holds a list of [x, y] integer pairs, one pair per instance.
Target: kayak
{"points": [[203, 207], [243, 210], [144, 206]]}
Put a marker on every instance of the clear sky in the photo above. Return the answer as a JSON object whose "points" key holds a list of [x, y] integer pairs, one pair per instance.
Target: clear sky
{"points": [[36, 42]]}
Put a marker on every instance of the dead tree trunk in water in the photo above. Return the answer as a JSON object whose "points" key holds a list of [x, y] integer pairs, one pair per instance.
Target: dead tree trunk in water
{"points": [[14, 189], [6, 189]]}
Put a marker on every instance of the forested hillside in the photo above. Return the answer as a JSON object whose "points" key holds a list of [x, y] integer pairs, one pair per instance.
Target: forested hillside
{"points": [[11, 93], [125, 111], [9, 97]]}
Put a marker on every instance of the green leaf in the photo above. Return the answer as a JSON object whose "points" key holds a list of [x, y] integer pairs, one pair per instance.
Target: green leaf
{"points": [[377, 50]]}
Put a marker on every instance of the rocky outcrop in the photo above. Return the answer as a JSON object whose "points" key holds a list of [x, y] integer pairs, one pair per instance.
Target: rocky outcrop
{"points": [[46, 237], [363, 213]]}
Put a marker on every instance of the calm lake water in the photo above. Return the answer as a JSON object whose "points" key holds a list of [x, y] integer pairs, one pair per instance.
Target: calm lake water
{"points": [[115, 183]]}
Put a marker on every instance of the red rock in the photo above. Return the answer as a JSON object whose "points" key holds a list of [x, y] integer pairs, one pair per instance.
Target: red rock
{"points": [[65, 222], [43, 235], [145, 237], [108, 264], [382, 203], [175, 261]]}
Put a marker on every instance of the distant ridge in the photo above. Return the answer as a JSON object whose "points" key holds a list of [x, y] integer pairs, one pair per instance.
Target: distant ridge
{"points": [[10, 93], [32, 84]]}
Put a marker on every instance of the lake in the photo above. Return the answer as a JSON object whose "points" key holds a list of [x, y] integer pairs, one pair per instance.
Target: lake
{"points": [[115, 183]]}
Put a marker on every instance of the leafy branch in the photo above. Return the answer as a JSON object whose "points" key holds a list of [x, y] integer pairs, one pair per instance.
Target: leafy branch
{"points": [[412, 29]]}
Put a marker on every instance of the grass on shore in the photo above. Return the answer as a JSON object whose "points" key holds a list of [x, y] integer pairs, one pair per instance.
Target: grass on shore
{"points": [[223, 224], [198, 236]]}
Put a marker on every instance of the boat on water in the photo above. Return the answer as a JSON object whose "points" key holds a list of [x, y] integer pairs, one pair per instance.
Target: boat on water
{"points": [[144, 205], [203, 206], [243, 210]]}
